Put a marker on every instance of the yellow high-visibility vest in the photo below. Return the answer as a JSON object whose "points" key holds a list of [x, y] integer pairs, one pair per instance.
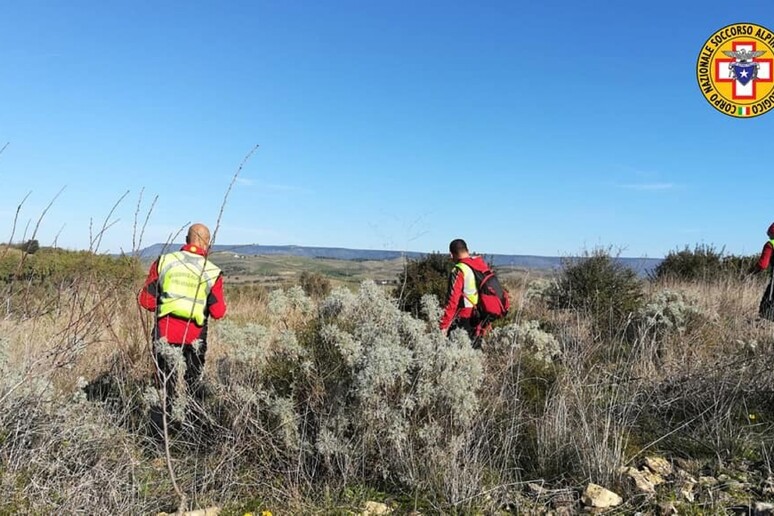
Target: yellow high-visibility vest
{"points": [[186, 280], [469, 290]]}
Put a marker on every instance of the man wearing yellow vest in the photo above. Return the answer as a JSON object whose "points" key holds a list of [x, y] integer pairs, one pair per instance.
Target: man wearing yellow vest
{"points": [[184, 289], [460, 311]]}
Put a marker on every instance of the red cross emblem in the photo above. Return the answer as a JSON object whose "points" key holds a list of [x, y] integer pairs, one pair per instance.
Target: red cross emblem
{"points": [[744, 91]]}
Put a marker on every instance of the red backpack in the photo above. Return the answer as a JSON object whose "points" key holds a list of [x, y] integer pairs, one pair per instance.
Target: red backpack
{"points": [[493, 300]]}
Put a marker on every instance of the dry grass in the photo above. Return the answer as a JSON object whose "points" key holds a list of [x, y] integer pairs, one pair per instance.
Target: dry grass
{"points": [[254, 442]]}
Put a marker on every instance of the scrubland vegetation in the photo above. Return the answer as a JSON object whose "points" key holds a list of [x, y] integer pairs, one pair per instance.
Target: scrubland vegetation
{"points": [[320, 399]]}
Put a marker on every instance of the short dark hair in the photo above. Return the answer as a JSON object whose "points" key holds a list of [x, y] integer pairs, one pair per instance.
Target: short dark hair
{"points": [[458, 246]]}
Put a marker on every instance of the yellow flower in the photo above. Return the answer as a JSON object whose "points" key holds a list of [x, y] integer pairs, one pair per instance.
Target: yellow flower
{"points": [[263, 513], [752, 417]]}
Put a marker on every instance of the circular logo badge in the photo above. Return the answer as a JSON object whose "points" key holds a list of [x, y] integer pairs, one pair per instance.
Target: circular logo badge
{"points": [[735, 70]]}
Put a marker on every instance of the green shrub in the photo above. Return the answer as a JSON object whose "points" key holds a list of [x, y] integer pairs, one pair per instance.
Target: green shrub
{"points": [[360, 390], [739, 266], [669, 311], [426, 275], [29, 247], [540, 345], [55, 266], [599, 285], [315, 284], [703, 262], [34, 282]]}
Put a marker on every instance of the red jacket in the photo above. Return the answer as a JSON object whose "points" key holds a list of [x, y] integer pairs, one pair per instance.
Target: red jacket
{"points": [[455, 304], [765, 259], [175, 329]]}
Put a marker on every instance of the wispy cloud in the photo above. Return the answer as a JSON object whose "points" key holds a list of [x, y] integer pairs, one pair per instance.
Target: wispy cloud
{"points": [[244, 181], [643, 180], [648, 186]]}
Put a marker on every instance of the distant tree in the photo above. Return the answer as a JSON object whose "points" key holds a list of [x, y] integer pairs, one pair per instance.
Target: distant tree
{"points": [[600, 286], [30, 246], [703, 262], [426, 275]]}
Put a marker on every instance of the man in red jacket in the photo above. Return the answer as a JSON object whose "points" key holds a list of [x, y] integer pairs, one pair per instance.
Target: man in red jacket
{"points": [[460, 311], [184, 289], [766, 308]]}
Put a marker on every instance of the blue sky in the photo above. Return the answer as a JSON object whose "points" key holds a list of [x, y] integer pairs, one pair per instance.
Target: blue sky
{"points": [[525, 128]]}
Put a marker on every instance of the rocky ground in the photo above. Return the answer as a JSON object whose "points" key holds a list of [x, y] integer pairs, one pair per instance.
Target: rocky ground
{"points": [[655, 485]]}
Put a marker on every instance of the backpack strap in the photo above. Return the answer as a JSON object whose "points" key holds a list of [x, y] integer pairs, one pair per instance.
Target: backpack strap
{"points": [[470, 285]]}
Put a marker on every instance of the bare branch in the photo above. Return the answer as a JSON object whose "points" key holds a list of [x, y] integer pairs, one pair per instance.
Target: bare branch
{"points": [[15, 220], [228, 191], [136, 246], [105, 225], [45, 210], [56, 237], [136, 215]]}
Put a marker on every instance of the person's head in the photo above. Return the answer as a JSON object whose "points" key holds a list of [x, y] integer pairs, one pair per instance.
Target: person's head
{"points": [[770, 232], [198, 235], [458, 249]]}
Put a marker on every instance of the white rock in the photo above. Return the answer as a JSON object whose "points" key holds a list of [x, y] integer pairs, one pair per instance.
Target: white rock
{"points": [[375, 509], [599, 497], [209, 511], [659, 465], [653, 478], [641, 484], [686, 491]]}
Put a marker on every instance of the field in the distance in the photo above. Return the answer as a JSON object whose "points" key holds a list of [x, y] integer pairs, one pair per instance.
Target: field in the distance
{"points": [[279, 270]]}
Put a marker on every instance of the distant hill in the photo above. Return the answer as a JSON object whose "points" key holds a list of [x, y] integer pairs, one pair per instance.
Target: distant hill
{"points": [[336, 253], [640, 265]]}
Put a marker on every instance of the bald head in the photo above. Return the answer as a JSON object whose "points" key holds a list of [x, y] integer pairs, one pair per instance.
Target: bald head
{"points": [[198, 235]]}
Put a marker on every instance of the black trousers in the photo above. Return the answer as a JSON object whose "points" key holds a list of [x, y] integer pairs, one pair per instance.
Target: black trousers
{"points": [[474, 326], [194, 357], [766, 308]]}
